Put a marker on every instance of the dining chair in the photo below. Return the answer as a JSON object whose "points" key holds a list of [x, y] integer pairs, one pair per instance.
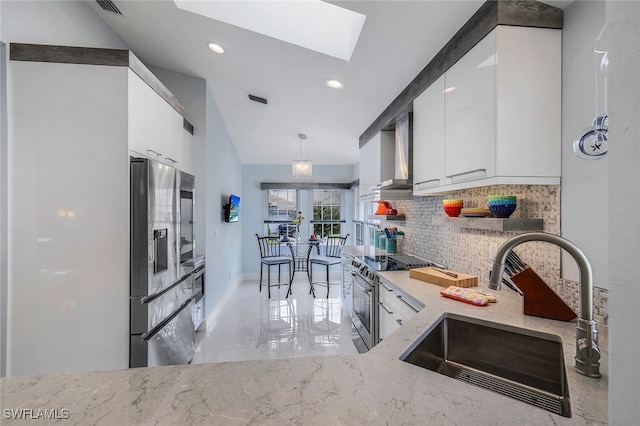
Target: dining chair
{"points": [[330, 255], [271, 255]]}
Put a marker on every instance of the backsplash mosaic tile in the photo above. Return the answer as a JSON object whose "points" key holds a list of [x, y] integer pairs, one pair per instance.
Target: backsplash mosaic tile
{"points": [[471, 251]]}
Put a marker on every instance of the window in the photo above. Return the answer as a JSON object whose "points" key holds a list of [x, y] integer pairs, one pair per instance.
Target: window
{"points": [[283, 204], [327, 212]]}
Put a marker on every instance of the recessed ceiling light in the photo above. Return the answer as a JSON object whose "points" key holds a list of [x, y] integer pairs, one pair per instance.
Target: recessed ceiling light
{"points": [[334, 84], [215, 47], [449, 90]]}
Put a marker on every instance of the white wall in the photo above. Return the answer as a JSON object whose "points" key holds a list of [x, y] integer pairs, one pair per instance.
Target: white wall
{"points": [[623, 29], [3, 205], [46, 22], [69, 219], [584, 197], [252, 214], [224, 248]]}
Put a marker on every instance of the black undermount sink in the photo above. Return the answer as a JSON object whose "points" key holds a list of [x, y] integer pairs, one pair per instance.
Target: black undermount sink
{"points": [[522, 364]]}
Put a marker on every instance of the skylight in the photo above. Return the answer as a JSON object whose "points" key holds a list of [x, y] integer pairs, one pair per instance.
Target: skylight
{"points": [[312, 24]]}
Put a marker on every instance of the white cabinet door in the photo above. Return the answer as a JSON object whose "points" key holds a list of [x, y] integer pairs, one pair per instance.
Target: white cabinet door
{"points": [[369, 160], [429, 137], [386, 316], [155, 128], [376, 162], [470, 115], [188, 153], [528, 142]]}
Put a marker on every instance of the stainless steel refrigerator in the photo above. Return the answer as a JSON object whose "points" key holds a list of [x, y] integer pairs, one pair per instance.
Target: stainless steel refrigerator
{"points": [[161, 302]]}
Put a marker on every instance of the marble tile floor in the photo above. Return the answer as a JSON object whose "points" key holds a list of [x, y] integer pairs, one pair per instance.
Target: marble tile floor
{"points": [[253, 327]]}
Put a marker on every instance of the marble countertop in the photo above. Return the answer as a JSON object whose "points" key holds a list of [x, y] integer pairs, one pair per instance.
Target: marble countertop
{"points": [[373, 388]]}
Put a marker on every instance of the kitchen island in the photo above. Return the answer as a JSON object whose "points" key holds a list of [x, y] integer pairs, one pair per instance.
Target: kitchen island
{"points": [[373, 388]]}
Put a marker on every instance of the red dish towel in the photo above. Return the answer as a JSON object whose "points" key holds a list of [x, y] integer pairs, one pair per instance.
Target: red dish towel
{"points": [[467, 295]]}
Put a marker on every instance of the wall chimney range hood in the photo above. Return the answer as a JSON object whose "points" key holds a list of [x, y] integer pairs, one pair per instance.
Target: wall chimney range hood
{"points": [[400, 187]]}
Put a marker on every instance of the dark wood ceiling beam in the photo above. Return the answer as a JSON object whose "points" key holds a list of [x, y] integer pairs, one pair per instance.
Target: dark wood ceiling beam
{"points": [[523, 13]]}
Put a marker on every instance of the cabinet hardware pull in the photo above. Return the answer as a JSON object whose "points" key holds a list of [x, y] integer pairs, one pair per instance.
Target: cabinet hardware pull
{"points": [[399, 321], [385, 308], [385, 286], [399, 296], [427, 181], [171, 159], [466, 173], [154, 152]]}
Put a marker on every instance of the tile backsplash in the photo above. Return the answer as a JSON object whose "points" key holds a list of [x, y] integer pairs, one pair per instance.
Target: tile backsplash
{"points": [[471, 250]]}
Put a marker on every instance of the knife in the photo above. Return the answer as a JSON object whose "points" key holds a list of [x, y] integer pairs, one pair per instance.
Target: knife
{"points": [[451, 274], [511, 286], [519, 261]]}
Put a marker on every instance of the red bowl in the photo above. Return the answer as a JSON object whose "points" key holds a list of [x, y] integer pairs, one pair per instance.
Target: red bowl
{"points": [[453, 211]]}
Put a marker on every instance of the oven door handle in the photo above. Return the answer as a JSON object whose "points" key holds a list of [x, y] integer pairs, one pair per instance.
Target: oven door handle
{"points": [[358, 282]]}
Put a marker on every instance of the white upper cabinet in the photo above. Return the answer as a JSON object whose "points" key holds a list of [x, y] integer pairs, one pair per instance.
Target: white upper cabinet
{"points": [[501, 115], [155, 127], [429, 137], [188, 153], [376, 162], [470, 113]]}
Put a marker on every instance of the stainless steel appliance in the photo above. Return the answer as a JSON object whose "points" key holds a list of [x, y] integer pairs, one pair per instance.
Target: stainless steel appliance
{"points": [[346, 260], [401, 186], [364, 313], [195, 269], [186, 185], [161, 302]]}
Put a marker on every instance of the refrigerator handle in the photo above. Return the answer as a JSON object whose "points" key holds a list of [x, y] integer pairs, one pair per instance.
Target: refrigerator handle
{"points": [[155, 330]]}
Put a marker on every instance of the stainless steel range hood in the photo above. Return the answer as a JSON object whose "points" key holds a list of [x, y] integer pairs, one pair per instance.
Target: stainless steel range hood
{"points": [[401, 186]]}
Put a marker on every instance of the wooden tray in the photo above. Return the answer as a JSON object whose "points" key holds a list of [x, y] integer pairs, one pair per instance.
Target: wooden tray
{"points": [[434, 277]]}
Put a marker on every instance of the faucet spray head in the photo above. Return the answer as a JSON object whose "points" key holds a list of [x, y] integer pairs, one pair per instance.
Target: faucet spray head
{"points": [[495, 277]]}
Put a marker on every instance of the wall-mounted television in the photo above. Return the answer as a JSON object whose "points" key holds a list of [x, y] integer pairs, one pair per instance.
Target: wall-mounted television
{"points": [[232, 210]]}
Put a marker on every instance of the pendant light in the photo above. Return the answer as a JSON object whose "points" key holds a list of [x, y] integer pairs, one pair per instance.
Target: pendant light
{"points": [[302, 167]]}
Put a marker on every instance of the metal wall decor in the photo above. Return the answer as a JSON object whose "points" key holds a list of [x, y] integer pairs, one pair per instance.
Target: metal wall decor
{"points": [[592, 143]]}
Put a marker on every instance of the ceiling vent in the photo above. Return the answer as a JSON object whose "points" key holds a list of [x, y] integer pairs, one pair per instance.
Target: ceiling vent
{"points": [[109, 6], [258, 99]]}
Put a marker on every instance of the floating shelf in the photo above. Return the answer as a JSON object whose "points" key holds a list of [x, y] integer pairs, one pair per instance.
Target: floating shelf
{"points": [[388, 217], [490, 223]]}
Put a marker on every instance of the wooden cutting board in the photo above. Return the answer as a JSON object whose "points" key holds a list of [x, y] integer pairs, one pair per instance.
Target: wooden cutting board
{"points": [[434, 277]]}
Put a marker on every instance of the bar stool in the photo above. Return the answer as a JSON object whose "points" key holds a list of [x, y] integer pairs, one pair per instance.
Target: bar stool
{"points": [[270, 255], [330, 257]]}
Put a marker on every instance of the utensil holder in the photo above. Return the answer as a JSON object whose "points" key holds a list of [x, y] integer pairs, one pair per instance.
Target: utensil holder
{"points": [[539, 299], [376, 239], [392, 247]]}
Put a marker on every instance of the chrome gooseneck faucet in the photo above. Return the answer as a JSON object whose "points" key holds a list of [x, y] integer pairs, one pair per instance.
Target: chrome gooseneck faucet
{"points": [[587, 351]]}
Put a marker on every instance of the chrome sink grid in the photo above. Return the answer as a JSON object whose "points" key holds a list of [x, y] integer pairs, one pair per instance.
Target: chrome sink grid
{"points": [[522, 364], [512, 390]]}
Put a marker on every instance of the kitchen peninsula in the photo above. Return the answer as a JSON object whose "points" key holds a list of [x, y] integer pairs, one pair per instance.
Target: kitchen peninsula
{"points": [[373, 388]]}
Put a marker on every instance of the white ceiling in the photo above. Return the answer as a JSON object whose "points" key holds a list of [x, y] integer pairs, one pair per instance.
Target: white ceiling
{"points": [[398, 39]]}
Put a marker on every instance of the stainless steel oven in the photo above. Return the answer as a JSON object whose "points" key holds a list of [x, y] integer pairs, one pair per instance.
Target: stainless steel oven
{"points": [[195, 270], [364, 312], [198, 283], [346, 260]]}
